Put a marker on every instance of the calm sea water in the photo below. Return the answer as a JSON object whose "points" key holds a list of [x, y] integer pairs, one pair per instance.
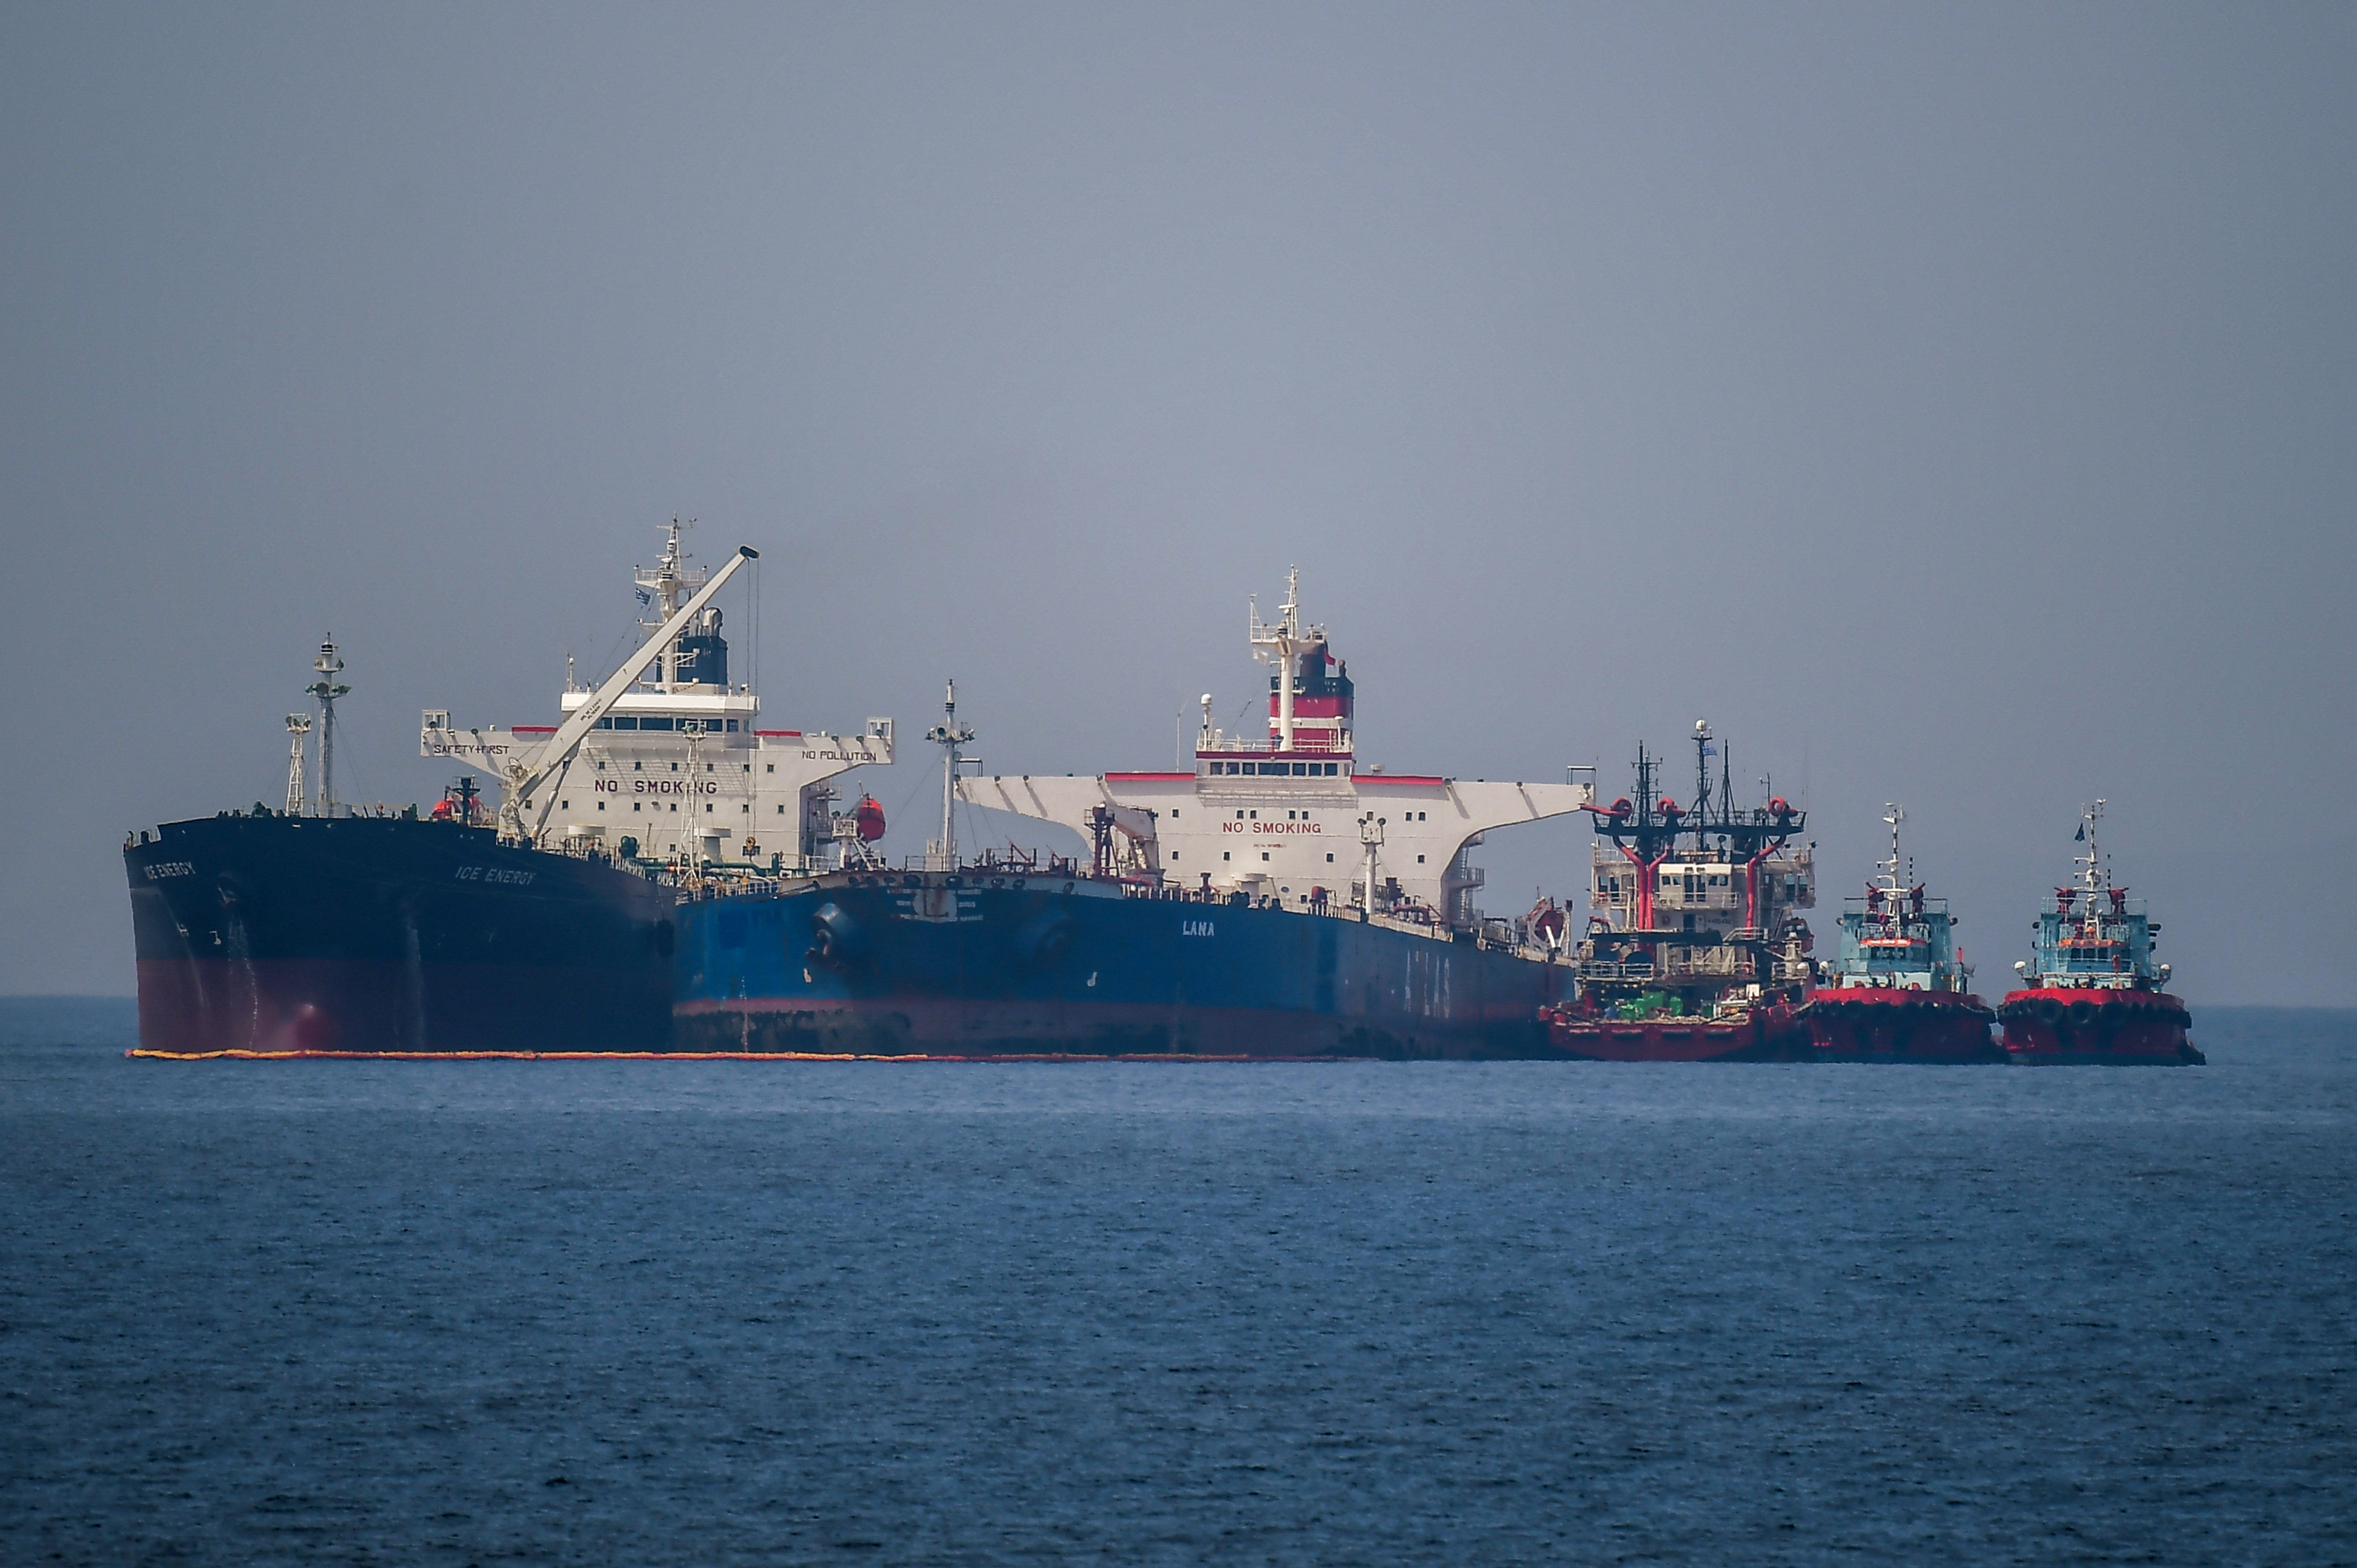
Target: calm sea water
{"points": [[712, 1313]]}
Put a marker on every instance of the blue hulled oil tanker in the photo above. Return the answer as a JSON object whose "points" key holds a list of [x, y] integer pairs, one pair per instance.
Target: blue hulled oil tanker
{"points": [[1280, 901]]}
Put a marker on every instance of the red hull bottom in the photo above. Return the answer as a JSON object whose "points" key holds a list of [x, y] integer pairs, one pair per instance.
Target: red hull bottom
{"points": [[1865, 1024], [1773, 1034], [2074, 1026], [978, 1030], [277, 1006]]}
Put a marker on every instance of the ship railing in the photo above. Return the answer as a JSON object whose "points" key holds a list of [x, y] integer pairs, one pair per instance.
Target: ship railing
{"points": [[1714, 962], [1304, 740], [1855, 904], [1605, 969], [2077, 909]]}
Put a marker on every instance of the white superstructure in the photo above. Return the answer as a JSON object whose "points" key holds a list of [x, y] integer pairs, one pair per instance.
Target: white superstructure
{"points": [[1290, 816], [676, 761]]}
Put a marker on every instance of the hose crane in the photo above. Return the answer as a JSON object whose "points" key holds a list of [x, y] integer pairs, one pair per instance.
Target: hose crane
{"points": [[524, 801]]}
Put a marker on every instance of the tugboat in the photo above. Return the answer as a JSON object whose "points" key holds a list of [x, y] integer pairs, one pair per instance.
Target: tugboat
{"points": [[1703, 957], [1900, 992], [2093, 993]]}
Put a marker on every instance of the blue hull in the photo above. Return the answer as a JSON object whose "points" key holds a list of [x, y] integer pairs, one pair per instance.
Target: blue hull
{"points": [[908, 963]]}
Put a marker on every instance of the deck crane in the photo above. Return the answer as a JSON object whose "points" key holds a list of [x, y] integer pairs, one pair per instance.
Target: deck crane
{"points": [[523, 807]]}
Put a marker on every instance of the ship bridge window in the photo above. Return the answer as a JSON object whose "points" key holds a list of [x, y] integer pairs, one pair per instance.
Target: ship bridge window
{"points": [[654, 722]]}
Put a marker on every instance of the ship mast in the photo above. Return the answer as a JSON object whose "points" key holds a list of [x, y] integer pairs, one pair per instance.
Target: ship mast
{"points": [[1281, 645], [1894, 888], [949, 735], [326, 688], [667, 585], [1702, 777], [2093, 860]]}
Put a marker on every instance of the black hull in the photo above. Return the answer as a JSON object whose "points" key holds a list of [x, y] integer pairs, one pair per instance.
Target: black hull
{"points": [[291, 935]]}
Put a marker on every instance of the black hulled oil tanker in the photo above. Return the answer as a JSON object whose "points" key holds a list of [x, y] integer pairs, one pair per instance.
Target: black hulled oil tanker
{"points": [[1277, 900], [551, 928], [284, 932]]}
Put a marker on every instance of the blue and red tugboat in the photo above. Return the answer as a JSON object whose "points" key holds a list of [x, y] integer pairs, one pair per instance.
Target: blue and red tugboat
{"points": [[1900, 991], [2092, 993], [1703, 956]]}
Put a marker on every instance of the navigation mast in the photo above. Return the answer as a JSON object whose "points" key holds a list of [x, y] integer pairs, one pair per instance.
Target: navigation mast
{"points": [[1281, 645], [2093, 860], [326, 688], [949, 735]]}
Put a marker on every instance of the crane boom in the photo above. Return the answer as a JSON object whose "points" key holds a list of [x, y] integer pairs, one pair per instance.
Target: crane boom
{"points": [[523, 779]]}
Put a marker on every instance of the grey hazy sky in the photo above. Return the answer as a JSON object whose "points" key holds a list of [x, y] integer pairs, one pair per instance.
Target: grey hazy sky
{"points": [[1956, 405]]}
